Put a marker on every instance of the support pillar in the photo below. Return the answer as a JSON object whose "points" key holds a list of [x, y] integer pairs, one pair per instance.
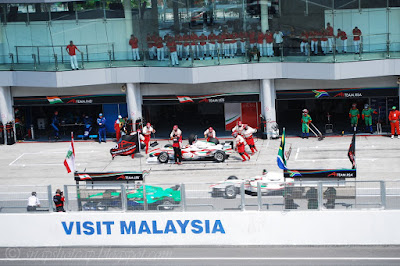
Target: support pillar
{"points": [[128, 19], [6, 110], [134, 100], [268, 97], [264, 15]]}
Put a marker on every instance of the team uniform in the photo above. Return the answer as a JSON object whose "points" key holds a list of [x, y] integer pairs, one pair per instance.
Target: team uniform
{"points": [[278, 37], [117, 127], [343, 37], [305, 121], [160, 48], [212, 38], [33, 203], [366, 115], [101, 122], [269, 38], [356, 40], [171, 44], [147, 130], [238, 128], [324, 42], [186, 45], [176, 136], [210, 133], [248, 136], [240, 146], [151, 46], [242, 36], [59, 202], [193, 43], [354, 115], [179, 45], [55, 123], [314, 41], [202, 47], [260, 42], [304, 43], [394, 117], [329, 33], [134, 43]]}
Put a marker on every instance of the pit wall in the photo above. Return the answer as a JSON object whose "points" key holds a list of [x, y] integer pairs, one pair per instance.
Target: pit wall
{"points": [[201, 228]]}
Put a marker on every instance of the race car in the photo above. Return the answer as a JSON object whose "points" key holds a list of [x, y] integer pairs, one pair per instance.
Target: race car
{"points": [[270, 184], [157, 198], [198, 150]]}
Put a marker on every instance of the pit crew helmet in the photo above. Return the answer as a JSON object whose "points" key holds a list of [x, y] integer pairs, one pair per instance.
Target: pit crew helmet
{"points": [[210, 129], [305, 111], [354, 105], [148, 125], [366, 106], [175, 127]]}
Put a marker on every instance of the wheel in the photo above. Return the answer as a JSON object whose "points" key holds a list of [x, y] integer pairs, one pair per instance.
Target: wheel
{"points": [[192, 138], [167, 204], [163, 157], [214, 140], [232, 177], [219, 156], [230, 192]]}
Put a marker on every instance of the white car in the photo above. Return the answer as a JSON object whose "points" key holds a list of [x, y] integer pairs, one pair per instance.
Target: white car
{"points": [[270, 184], [198, 150]]}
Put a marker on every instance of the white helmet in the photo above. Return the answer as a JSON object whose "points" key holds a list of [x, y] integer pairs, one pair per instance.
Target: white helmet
{"points": [[305, 111]]}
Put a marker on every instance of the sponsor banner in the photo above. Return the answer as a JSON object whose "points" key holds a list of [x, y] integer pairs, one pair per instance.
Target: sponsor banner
{"points": [[233, 114], [69, 100], [108, 176], [338, 227], [201, 99], [324, 174], [337, 93]]}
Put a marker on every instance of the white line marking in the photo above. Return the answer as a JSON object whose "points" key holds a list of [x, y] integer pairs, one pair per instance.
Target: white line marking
{"points": [[297, 154], [44, 164], [332, 159], [209, 258], [16, 159]]}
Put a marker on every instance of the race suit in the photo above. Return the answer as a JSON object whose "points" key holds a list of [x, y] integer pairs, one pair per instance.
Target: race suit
{"points": [[248, 136], [394, 121], [240, 146], [354, 115], [101, 122], [176, 144], [366, 115], [209, 134], [305, 121], [238, 129], [147, 135], [117, 127]]}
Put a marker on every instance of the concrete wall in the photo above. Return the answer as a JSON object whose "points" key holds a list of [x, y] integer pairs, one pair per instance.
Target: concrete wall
{"points": [[202, 228]]}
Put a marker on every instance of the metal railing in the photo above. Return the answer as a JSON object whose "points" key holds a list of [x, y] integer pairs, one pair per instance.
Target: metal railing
{"points": [[229, 195]]}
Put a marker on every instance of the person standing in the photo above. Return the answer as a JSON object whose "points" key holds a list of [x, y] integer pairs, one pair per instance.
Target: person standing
{"points": [[160, 48], [331, 36], [366, 115], [101, 122], [242, 41], [150, 46], [394, 117], [305, 124], [357, 39], [227, 43], [269, 39], [193, 45], [324, 41], [176, 136], [117, 127], [312, 198], [260, 42], [212, 38], [71, 50], [252, 38], [210, 133], [278, 37], [343, 37], [58, 200], [55, 124], [248, 136], [304, 43], [202, 46], [147, 130], [314, 41], [233, 45], [240, 146], [33, 202], [171, 44], [134, 43], [186, 45], [354, 115], [179, 45]]}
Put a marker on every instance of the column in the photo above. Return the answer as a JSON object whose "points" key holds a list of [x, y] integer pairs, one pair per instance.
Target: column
{"points": [[6, 110], [264, 15], [128, 19], [267, 97], [134, 100]]}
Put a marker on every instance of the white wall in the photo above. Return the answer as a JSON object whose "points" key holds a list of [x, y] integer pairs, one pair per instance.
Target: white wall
{"points": [[234, 228]]}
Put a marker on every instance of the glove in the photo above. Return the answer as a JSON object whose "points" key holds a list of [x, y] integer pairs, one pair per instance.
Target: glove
{"points": [[363, 117], [349, 115]]}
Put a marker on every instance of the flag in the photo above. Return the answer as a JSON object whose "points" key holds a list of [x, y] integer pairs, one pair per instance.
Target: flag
{"points": [[320, 93], [53, 100], [281, 153], [84, 177], [352, 151], [185, 99], [69, 161]]}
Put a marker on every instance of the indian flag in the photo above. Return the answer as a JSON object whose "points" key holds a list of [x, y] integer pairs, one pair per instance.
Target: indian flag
{"points": [[185, 99], [69, 161], [53, 100], [281, 153]]}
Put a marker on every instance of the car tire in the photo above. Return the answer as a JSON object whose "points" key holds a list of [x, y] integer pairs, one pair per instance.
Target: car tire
{"points": [[214, 140], [167, 201], [219, 156], [192, 138], [163, 157], [230, 192]]}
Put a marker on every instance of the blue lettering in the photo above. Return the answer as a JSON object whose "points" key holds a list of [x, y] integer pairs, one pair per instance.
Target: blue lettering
{"points": [[207, 226], [78, 228], [108, 226], [155, 230], [89, 229], [183, 225], [144, 228], [197, 224], [218, 227], [98, 225], [129, 230], [68, 230], [170, 227]]}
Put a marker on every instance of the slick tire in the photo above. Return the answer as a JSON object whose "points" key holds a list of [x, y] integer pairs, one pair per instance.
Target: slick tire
{"points": [[163, 157], [230, 192], [214, 140], [219, 156]]}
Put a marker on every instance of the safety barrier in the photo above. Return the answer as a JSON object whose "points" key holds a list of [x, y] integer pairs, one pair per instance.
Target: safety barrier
{"points": [[230, 195], [1, 133]]}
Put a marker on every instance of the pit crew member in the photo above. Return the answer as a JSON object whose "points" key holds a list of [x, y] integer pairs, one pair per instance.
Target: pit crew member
{"points": [[117, 127], [33, 202], [176, 136], [354, 115], [240, 146], [394, 117], [147, 130], [248, 136], [210, 133], [305, 122], [366, 115], [101, 122], [239, 128], [58, 200]]}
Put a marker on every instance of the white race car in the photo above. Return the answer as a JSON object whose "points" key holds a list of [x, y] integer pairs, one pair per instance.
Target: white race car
{"points": [[270, 184], [198, 150]]}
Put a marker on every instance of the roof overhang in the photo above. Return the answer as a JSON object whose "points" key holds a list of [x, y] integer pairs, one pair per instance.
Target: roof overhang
{"points": [[34, 1]]}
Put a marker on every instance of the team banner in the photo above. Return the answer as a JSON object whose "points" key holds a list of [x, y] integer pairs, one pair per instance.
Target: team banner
{"points": [[109, 176], [69, 100]]}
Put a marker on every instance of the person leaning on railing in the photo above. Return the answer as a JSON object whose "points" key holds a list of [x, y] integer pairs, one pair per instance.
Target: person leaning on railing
{"points": [[58, 200], [72, 53], [357, 39]]}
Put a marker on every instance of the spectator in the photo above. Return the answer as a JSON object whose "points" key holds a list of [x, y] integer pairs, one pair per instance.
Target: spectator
{"points": [[343, 37], [331, 36], [242, 41], [357, 40], [202, 47], [72, 53], [269, 38], [212, 38], [314, 41], [171, 44], [278, 37], [33, 202], [134, 43], [150, 46], [58, 200], [179, 45], [227, 43], [304, 42], [260, 42], [312, 197], [160, 48], [324, 41], [330, 195], [186, 45], [233, 46], [252, 38], [101, 122]]}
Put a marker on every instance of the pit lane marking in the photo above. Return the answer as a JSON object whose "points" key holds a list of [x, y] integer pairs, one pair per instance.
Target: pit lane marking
{"points": [[40, 164]]}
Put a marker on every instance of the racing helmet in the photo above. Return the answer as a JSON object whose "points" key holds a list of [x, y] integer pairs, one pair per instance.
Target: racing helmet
{"points": [[33, 193], [305, 111], [119, 116], [148, 125], [366, 106], [101, 114], [394, 107], [265, 172], [240, 123], [354, 105], [210, 129]]}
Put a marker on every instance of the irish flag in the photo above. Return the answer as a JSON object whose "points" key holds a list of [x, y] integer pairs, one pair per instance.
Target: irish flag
{"points": [[184, 99], [69, 161], [53, 100]]}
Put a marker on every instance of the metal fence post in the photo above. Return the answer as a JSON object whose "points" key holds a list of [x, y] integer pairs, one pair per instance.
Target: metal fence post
{"points": [[259, 200], [383, 194], [146, 207], [50, 198], [56, 61], [109, 58], [242, 199], [38, 55], [83, 64], [320, 196], [34, 61], [66, 197], [12, 61], [124, 198], [183, 197], [387, 45]]}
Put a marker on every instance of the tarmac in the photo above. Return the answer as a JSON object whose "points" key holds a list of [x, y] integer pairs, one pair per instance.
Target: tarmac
{"points": [[41, 163]]}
